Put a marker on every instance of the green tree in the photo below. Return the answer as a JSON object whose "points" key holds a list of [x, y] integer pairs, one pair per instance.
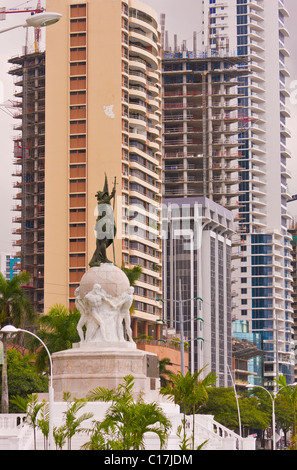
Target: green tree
{"points": [[31, 407], [254, 408], [284, 414], [189, 393], [43, 423], [23, 378], [255, 412], [163, 371], [59, 437], [58, 331], [290, 392], [127, 420], [133, 274], [72, 421], [221, 404], [15, 308]]}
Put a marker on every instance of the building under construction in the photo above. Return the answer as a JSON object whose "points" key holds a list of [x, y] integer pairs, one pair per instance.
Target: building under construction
{"points": [[29, 74], [201, 123]]}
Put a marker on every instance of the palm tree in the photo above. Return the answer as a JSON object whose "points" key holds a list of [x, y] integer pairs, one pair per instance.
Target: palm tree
{"points": [[127, 420], [58, 331], [188, 392], [133, 274], [31, 407], [72, 422], [15, 308], [290, 392], [163, 371]]}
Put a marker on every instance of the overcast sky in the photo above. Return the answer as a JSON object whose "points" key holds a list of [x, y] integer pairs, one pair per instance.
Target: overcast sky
{"points": [[182, 18]]}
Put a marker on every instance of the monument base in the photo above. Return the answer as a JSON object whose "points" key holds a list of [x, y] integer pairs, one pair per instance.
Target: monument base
{"points": [[81, 369]]}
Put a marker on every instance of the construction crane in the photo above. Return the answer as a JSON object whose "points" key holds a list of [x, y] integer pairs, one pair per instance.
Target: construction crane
{"points": [[39, 9], [37, 30], [4, 11]]}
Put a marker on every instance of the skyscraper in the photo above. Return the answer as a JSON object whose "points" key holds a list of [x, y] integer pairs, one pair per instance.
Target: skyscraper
{"points": [[256, 29], [103, 115], [28, 71], [201, 167], [197, 271]]}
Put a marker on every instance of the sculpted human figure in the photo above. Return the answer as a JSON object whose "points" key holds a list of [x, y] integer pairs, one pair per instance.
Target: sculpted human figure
{"points": [[124, 318], [105, 227], [89, 308], [105, 318], [83, 321], [96, 330]]}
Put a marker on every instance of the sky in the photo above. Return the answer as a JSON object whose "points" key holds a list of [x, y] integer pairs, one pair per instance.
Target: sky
{"points": [[182, 18]]}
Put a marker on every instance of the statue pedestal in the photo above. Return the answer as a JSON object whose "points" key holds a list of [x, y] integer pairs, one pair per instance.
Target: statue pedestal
{"points": [[83, 368], [106, 353]]}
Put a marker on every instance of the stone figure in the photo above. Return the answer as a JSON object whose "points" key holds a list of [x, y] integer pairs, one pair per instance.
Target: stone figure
{"points": [[105, 317], [124, 319], [105, 227], [89, 308]]}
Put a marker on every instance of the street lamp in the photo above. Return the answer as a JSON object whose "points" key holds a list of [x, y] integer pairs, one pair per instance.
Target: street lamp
{"points": [[37, 21], [273, 411], [12, 329], [180, 302]]}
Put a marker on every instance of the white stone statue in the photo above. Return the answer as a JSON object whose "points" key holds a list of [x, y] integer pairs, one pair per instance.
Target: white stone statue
{"points": [[105, 316]]}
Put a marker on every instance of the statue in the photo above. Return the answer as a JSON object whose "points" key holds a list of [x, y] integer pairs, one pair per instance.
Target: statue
{"points": [[91, 319], [104, 316], [104, 296], [105, 227]]}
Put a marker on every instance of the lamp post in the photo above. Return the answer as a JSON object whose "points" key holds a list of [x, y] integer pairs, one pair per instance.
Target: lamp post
{"points": [[37, 21], [273, 411], [237, 402], [180, 302], [11, 329]]}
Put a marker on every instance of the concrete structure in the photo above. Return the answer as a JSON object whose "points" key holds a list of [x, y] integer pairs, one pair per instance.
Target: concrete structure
{"points": [[293, 231], [103, 114], [201, 116], [28, 71], [197, 250], [200, 126], [16, 435], [80, 370], [263, 270]]}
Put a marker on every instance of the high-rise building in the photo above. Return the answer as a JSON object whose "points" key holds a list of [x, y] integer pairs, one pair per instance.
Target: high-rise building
{"points": [[9, 265], [201, 163], [256, 29], [293, 231], [197, 271], [28, 71], [200, 126], [103, 115]]}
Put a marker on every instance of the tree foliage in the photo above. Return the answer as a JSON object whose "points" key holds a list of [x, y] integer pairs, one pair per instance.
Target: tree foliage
{"points": [[15, 307], [23, 379], [127, 420], [58, 331]]}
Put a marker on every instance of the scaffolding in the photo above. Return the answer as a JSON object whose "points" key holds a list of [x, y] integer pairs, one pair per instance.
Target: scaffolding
{"points": [[29, 150], [202, 121]]}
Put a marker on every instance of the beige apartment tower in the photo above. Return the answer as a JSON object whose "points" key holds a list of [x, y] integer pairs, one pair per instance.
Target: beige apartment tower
{"points": [[103, 115]]}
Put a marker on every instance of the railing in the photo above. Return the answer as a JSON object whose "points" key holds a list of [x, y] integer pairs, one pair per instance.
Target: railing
{"points": [[14, 433], [11, 421]]}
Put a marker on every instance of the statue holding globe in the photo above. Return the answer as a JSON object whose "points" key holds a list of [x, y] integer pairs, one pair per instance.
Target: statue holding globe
{"points": [[104, 296]]}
